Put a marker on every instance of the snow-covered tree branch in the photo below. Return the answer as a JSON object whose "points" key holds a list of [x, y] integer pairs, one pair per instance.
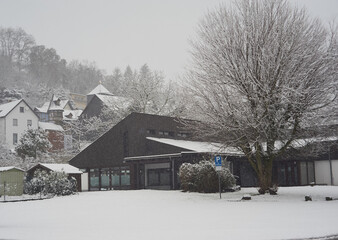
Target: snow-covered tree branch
{"points": [[260, 70]]}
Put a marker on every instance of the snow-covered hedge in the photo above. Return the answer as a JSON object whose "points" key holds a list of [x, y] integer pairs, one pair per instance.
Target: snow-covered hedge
{"points": [[54, 183], [202, 177]]}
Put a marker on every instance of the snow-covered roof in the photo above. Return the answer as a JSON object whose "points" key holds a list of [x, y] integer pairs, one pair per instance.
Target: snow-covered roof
{"points": [[43, 108], [7, 107], [58, 103], [114, 102], [4, 169], [100, 89], [56, 167], [196, 146], [55, 104], [50, 126], [71, 114]]}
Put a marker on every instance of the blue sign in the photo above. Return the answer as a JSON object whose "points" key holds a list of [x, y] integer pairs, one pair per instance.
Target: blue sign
{"points": [[218, 161]]}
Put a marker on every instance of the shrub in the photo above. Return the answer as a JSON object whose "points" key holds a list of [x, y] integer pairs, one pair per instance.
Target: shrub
{"points": [[54, 183], [202, 177]]}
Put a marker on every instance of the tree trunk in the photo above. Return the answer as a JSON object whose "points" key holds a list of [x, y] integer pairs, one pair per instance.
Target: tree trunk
{"points": [[263, 169]]}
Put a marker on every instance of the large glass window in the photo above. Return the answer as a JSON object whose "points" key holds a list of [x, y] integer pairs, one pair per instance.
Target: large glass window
{"points": [[125, 176], [105, 179], [94, 179], [159, 177], [115, 177]]}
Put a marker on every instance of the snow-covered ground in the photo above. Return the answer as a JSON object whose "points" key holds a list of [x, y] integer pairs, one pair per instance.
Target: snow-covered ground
{"points": [[151, 214]]}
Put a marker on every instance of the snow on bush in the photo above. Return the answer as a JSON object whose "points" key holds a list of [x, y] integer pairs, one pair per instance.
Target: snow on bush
{"points": [[54, 183], [202, 177], [32, 143]]}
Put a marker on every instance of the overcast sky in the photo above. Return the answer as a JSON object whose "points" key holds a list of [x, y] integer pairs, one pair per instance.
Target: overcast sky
{"points": [[117, 33]]}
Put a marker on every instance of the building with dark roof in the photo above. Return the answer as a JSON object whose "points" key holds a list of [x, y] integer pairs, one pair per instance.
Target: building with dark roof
{"points": [[146, 151], [99, 98]]}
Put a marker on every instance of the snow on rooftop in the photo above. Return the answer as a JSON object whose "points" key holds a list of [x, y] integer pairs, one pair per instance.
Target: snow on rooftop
{"points": [[100, 89], [71, 114], [69, 169], [43, 108], [50, 126], [7, 107], [114, 102], [58, 104], [198, 146], [4, 169]]}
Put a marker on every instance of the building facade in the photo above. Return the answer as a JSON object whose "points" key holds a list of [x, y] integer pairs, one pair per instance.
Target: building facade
{"points": [[146, 151], [15, 118]]}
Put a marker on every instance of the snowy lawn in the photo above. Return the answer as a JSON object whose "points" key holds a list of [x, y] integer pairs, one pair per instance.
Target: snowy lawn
{"points": [[151, 214]]}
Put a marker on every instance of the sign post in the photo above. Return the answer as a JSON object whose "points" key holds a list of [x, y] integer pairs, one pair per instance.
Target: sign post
{"points": [[218, 164]]}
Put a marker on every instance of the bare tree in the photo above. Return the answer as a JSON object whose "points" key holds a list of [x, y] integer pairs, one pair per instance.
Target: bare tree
{"points": [[260, 70], [15, 44], [149, 91]]}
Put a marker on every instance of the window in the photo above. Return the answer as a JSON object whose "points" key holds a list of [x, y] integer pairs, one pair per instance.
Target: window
{"points": [[22, 109], [115, 177], [15, 122], [182, 134], [166, 133], [29, 123], [151, 131], [15, 138], [94, 175], [159, 177], [105, 179], [125, 176]]}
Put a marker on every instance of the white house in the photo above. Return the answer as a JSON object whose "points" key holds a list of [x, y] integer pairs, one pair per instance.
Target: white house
{"points": [[15, 118]]}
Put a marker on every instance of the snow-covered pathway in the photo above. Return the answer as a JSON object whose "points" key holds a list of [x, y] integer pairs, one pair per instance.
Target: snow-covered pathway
{"points": [[150, 214]]}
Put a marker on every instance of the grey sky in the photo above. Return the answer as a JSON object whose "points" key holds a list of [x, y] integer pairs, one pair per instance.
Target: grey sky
{"points": [[115, 33]]}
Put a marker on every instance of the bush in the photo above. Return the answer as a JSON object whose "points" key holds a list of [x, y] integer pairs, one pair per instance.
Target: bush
{"points": [[54, 183], [202, 177]]}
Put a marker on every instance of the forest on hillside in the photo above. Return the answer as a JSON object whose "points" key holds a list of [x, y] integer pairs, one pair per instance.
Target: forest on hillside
{"points": [[35, 72]]}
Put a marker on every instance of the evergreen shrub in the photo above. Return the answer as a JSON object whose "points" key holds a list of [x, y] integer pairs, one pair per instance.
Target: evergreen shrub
{"points": [[202, 177]]}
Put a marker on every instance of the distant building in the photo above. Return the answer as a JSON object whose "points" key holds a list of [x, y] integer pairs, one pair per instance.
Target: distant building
{"points": [[55, 135], [57, 110], [98, 90], [15, 118], [56, 167], [11, 181], [79, 101], [99, 98]]}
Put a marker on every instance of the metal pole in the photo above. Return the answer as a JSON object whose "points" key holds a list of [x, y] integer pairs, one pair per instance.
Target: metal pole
{"points": [[4, 191], [219, 185], [331, 174]]}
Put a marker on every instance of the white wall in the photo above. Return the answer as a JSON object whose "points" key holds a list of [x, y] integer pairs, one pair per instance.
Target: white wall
{"points": [[28, 114], [2, 130], [84, 181], [322, 169]]}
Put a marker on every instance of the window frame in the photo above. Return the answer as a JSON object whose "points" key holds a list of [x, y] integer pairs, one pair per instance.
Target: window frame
{"points": [[15, 139], [15, 122]]}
